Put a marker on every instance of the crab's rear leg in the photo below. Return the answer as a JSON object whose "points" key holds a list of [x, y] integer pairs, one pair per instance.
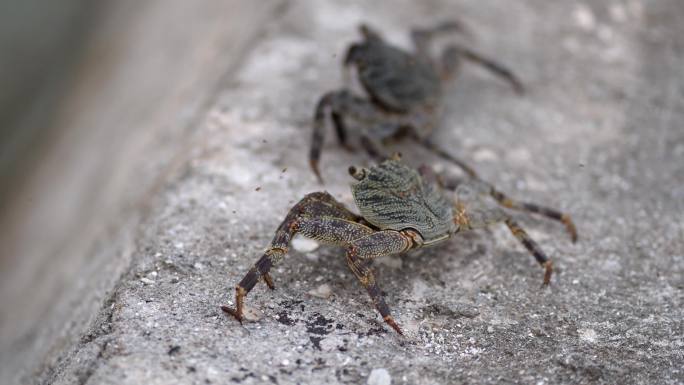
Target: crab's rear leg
{"points": [[483, 187], [317, 215], [554, 214], [472, 212], [532, 247]]}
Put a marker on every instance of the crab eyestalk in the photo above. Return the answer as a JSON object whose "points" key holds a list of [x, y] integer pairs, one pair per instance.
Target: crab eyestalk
{"points": [[358, 173]]}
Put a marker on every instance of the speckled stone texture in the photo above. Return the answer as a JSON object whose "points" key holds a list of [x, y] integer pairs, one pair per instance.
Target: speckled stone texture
{"points": [[599, 135]]}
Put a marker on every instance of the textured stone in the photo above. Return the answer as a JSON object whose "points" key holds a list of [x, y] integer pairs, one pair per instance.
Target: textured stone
{"points": [[598, 135]]}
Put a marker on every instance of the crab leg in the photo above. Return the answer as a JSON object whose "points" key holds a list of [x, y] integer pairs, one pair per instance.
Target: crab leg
{"points": [[360, 255], [445, 155], [340, 103], [472, 212], [536, 209], [509, 203], [532, 247], [452, 55], [423, 37], [312, 216], [343, 104]]}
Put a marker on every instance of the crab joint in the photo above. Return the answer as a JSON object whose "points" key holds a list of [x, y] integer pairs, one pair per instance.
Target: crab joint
{"points": [[240, 293]]}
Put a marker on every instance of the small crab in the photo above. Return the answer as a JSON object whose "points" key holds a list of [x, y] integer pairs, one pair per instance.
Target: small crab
{"points": [[401, 209], [404, 92]]}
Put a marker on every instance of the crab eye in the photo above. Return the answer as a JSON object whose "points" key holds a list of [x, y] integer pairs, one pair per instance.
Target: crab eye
{"points": [[356, 173]]}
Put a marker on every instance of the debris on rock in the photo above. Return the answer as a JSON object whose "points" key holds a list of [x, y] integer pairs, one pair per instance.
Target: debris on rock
{"points": [[323, 291], [304, 245], [251, 314], [379, 377]]}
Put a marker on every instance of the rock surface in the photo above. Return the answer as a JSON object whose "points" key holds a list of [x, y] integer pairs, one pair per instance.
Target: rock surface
{"points": [[598, 135]]}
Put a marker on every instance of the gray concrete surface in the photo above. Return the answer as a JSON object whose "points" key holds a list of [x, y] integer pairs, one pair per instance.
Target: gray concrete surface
{"points": [[598, 135]]}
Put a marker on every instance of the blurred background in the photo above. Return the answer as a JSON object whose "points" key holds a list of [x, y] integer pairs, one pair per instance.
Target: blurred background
{"points": [[95, 98]]}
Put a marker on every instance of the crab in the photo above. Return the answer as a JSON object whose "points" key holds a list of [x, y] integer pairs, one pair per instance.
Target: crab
{"points": [[404, 90], [401, 209]]}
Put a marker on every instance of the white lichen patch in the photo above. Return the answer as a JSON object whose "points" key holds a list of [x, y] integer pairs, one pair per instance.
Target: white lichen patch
{"points": [[584, 17], [303, 244], [485, 155], [251, 314], [379, 376], [391, 261], [587, 335], [323, 291]]}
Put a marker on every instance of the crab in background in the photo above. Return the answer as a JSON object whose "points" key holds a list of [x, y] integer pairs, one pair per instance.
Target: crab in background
{"points": [[404, 92], [401, 209]]}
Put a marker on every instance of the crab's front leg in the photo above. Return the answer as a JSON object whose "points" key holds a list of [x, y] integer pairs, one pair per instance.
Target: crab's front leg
{"points": [[312, 216], [361, 253]]}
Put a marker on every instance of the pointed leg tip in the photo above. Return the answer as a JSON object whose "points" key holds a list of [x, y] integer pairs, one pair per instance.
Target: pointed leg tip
{"points": [[233, 312], [390, 321], [314, 167], [269, 281], [548, 272], [570, 227], [349, 148]]}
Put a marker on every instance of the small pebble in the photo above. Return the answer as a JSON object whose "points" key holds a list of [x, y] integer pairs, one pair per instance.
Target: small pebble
{"points": [[379, 377], [323, 291], [304, 245], [391, 261], [146, 281], [584, 17], [251, 314], [485, 155], [587, 335]]}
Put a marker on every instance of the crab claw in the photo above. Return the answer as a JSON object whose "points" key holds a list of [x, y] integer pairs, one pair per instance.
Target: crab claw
{"points": [[357, 173]]}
